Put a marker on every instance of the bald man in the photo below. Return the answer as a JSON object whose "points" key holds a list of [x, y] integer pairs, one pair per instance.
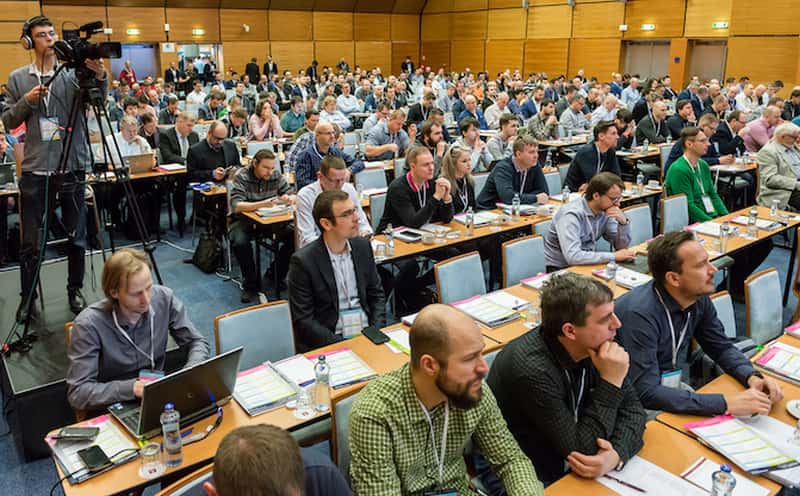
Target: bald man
{"points": [[307, 162], [471, 110], [391, 451]]}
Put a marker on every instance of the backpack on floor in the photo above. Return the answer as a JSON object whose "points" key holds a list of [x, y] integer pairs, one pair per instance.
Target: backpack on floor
{"points": [[208, 254]]}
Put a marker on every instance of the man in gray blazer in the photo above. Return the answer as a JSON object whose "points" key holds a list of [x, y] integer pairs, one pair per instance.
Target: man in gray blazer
{"points": [[779, 168]]}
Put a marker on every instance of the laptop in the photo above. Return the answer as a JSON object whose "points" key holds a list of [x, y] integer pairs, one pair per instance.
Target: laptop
{"points": [[195, 391], [138, 164], [7, 172]]}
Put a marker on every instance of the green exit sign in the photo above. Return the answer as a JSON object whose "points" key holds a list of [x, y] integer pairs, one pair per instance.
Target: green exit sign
{"points": [[720, 25]]}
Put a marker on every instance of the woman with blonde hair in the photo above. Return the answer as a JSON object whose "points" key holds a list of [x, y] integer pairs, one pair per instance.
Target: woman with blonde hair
{"points": [[456, 168]]}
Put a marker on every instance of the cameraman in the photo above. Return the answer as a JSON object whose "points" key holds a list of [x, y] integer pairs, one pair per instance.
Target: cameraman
{"points": [[45, 111]]}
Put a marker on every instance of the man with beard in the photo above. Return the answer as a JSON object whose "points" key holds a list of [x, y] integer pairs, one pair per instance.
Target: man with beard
{"points": [[408, 427], [582, 410]]}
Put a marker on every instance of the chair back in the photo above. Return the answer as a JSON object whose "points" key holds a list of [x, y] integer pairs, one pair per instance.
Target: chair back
{"points": [[340, 418], [723, 304], [371, 178], [264, 330], [350, 150], [480, 182], [764, 306], [190, 485], [522, 258], [641, 221], [674, 213], [542, 227], [376, 205], [254, 146], [553, 182], [459, 277], [489, 357], [562, 171], [399, 166], [352, 138]]}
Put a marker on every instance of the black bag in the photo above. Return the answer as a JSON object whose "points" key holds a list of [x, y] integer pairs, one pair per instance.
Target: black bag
{"points": [[208, 255]]}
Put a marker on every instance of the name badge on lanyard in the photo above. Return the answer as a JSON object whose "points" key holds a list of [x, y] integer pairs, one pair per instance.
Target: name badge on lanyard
{"points": [[151, 356], [707, 203], [353, 321], [672, 378], [49, 129]]}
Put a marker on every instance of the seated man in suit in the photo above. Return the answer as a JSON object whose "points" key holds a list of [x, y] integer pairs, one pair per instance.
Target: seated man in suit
{"points": [[653, 128], [117, 338], [729, 138], [208, 159], [174, 145], [778, 163], [334, 287], [169, 114], [576, 227], [662, 318], [592, 429], [683, 117], [332, 175], [594, 158], [257, 186], [518, 174], [214, 108]]}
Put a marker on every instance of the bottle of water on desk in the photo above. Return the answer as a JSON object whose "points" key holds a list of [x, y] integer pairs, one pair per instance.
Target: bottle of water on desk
{"points": [[171, 429], [639, 183], [322, 393], [773, 210], [724, 235], [723, 482], [669, 139], [515, 202], [645, 145], [611, 275], [752, 227], [469, 222], [389, 233], [565, 195], [548, 161]]}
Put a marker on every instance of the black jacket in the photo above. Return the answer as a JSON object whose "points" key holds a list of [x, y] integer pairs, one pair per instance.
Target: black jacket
{"points": [[202, 160], [403, 206], [171, 148], [727, 142], [584, 165], [675, 123], [251, 69], [313, 296], [504, 181], [270, 70], [171, 75]]}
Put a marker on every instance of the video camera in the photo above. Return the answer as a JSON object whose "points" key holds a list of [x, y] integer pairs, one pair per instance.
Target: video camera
{"points": [[74, 50]]}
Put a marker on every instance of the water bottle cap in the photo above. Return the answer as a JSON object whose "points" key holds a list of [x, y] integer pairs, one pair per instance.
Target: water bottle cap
{"points": [[725, 468], [169, 406], [321, 358]]}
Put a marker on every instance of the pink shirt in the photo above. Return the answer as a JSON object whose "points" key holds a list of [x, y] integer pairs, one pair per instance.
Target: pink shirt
{"points": [[758, 134], [259, 129]]}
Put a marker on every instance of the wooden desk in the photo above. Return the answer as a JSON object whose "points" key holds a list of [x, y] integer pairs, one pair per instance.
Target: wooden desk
{"points": [[664, 447], [652, 151], [580, 139]]}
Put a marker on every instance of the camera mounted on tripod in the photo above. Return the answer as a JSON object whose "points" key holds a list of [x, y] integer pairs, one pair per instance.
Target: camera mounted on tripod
{"points": [[74, 50]]}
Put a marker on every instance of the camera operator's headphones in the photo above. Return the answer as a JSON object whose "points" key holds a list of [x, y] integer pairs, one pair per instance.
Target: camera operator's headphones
{"points": [[25, 39]]}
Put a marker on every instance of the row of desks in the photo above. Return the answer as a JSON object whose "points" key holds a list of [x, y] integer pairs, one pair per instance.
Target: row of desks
{"points": [[382, 360]]}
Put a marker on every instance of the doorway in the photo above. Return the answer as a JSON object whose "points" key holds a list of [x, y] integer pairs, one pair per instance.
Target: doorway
{"points": [[647, 58], [707, 59], [144, 60]]}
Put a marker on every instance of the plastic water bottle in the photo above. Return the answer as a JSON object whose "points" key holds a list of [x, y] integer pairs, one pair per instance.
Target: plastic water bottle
{"points": [[548, 161], [322, 392], [746, 157], [645, 145], [723, 482], [171, 429], [389, 233], [569, 135], [515, 207], [565, 195], [773, 210], [639, 182], [470, 222], [669, 139], [611, 274], [752, 218], [724, 235]]}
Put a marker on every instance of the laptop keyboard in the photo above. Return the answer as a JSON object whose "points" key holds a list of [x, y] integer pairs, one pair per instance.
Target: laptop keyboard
{"points": [[131, 420]]}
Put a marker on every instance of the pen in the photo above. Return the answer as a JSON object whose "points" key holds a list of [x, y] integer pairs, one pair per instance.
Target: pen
{"points": [[626, 484]]}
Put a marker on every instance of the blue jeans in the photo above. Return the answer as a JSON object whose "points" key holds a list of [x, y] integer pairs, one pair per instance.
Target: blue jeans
{"points": [[69, 190]]}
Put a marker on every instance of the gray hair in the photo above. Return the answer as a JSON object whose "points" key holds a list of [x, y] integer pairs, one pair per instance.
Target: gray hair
{"points": [[786, 128]]}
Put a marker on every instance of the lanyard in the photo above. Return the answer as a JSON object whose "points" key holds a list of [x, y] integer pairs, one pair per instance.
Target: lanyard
{"points": [[675, 346], [599, 159], [465, 196], [125, 335], [696, 176], [522, 184], [338, 266], [576, 399], [439, 461]]}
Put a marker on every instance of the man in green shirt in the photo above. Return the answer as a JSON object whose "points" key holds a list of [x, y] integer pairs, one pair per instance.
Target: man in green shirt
{"points": [[294, 118], [408, 428], [691, 176]]}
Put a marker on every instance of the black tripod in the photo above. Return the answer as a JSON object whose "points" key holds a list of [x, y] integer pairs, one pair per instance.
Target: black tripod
{"points": [[90, 97]]}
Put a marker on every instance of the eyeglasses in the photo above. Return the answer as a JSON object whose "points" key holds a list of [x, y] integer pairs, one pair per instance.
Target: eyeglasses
{"points": [[346, 214], [217, 138], [45, 34]]}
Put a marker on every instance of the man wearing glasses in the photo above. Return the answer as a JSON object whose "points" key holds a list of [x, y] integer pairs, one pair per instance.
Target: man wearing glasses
{"points": [[208, 159], [572, 238], [334, 288], [42, 101], [331, 176]]}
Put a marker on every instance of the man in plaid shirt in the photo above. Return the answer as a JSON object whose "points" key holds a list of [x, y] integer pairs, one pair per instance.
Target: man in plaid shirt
{"points": [[409, 427]]}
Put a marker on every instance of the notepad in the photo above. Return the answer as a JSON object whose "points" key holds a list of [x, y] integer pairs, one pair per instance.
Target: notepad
{"points": [[486, 311], [262, 388], [507, 300], [767, 225], [171, 167], [793, 330], [297, 369], [741, 444], [536, 282], [654, 480], [700, 472], [782, 436], [110, 439], [572, 197], [782, 360], [399, 341], [275, 211], [708, 228], [409, 319], [347, 368], [626, 278]]}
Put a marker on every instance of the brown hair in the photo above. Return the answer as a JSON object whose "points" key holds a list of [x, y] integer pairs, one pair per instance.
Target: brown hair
{"points": [[601, 183], [258, 460], [662, 254], [565, 298], [124, 263], [323, 206]]}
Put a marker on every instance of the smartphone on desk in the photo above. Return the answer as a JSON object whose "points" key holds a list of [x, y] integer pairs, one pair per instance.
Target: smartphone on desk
{"points": [[375, 335], [77, 433], [94, 458]]}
